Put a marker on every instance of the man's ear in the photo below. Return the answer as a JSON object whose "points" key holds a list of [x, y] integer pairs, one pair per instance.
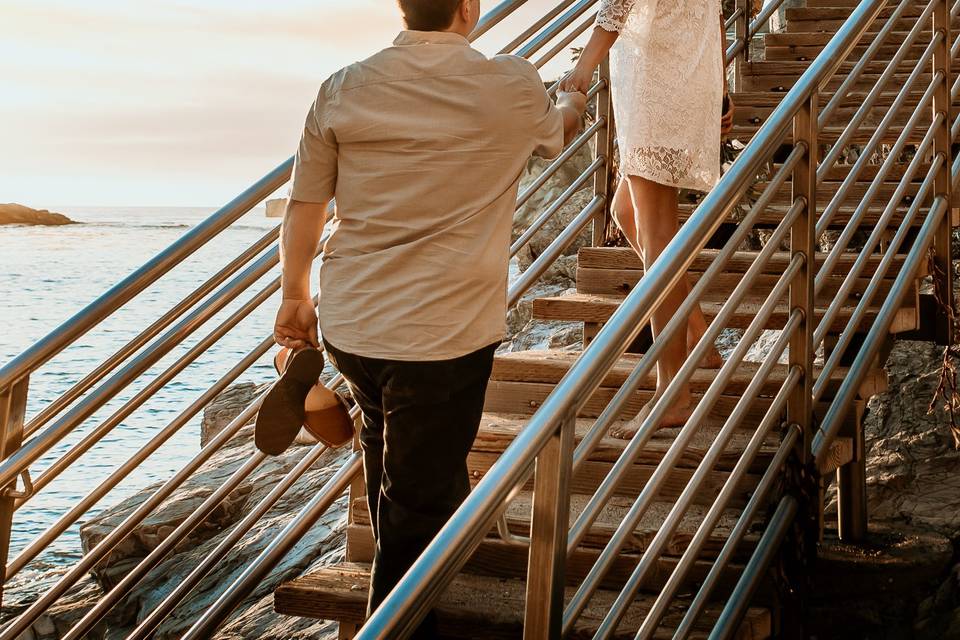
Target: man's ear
{"points": [[466, 11]]}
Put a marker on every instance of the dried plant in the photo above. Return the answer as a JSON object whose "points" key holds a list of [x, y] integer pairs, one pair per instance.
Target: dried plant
{"points": [[948, 389]]}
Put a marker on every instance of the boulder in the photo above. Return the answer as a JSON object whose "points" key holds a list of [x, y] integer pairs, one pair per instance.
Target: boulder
{"points": [[911, 457], [18, 214]]}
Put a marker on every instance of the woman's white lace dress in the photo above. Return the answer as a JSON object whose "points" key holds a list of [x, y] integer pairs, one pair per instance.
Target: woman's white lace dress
{"points": [[667, 82]]}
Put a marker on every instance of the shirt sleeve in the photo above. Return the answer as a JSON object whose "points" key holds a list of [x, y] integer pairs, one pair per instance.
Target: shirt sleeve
{"points": [[545, 121], [613, 14], [315, 166]]}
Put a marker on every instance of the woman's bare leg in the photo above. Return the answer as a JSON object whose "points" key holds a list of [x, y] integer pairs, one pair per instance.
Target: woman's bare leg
{"points": [[657, 222], [626, 218]]}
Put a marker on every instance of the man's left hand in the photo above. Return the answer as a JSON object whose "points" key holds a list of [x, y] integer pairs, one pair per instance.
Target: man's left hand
{"points": [[296, 324]]}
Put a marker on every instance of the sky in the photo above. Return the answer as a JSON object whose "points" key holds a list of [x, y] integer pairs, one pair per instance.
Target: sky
{"points": [[174, 103]]}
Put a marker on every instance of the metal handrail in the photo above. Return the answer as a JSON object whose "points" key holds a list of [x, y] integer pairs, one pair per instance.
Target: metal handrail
{"points": [[125, 290], [46, 439], [152, 331], [450, 550], [736, 606], [832, 421]]}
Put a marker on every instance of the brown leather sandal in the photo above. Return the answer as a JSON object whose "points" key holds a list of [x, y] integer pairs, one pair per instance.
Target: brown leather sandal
{"points": [[283, 411]]}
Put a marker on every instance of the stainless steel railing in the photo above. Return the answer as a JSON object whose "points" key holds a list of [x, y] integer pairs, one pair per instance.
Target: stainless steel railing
{"points": [[25, 441], [545, 446], [783, 294]]}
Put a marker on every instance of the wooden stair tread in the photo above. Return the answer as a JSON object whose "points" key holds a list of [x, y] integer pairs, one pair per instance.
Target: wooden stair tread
{"points": [[519, 510], [481, 606], [739, 262], [497, 431], [588, 307], [551, 365], [774, 214]]}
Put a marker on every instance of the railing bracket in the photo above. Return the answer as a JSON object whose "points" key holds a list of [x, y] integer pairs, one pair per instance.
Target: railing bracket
{"points": [[12, 492]]}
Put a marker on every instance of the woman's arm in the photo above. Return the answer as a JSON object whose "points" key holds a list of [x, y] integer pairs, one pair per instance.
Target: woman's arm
{"points": [[726, 118], [593, 54], [611, 18]]}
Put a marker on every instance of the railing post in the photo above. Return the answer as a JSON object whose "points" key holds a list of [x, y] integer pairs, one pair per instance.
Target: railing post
{"points": [[942, 185], [543, 615], [741, 34], [603, 146], [13, 406], [802, 241]]}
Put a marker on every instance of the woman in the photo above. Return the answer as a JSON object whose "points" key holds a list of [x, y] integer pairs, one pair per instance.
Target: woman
{"points": [[669, 88]]}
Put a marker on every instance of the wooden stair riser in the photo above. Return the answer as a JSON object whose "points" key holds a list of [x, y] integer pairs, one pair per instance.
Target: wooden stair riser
{"points": [[597, 539], [622, 282], [598, 309], [549, 368], [739, 262], [527, 397], [782, 82], [500, 559], [834, 12], [591, 475], [481, 606], [771, 216]]}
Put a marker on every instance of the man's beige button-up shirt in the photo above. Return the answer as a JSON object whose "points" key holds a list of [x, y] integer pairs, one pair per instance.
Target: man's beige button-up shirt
{"points": [[423, 146]]}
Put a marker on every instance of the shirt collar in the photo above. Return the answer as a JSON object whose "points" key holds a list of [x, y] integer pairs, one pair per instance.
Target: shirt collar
{"points": [[430, 37]]}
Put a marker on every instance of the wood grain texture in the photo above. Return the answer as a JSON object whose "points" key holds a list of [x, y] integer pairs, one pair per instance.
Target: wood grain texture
{"points": [[483, 607], [585, 307]]}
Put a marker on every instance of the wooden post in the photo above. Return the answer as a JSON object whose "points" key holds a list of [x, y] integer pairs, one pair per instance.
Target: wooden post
{"points": [[543, 615], [13, 405], [942, 185], [741, 34], [603, 146], [803, 241], [852, 482]]}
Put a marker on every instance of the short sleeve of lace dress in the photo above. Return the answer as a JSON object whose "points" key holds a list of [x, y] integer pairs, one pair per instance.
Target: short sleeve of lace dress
{"points": [[613, 14]]}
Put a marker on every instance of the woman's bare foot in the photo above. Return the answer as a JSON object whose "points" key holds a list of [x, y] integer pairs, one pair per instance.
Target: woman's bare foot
{"points": [[712, 359], [676, 416]]}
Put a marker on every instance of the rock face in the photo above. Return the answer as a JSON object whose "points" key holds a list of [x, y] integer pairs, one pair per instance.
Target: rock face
{"points": [[912, 463], [19, 214]]}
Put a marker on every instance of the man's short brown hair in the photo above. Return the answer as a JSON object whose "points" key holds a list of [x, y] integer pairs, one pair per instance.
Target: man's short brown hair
{"points": [[429, 15]]}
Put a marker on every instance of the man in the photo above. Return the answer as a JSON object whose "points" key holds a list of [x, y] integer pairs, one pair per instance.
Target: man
{"points": [[423, 146]]}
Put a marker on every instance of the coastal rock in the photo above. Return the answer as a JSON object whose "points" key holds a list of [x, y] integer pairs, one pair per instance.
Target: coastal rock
{"points": [[911, 458], [225, 407], [551, 229], [11, 213], [254, 618]]}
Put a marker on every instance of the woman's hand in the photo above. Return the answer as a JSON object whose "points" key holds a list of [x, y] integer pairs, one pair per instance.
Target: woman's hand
{"points": [[578, 80]]}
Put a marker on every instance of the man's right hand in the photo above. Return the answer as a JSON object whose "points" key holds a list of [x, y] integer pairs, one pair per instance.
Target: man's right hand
{"points": [[296, 324]]}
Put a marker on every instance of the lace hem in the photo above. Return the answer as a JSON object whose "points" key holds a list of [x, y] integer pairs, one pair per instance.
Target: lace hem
{"points": [[672, 167], [613, 14]]}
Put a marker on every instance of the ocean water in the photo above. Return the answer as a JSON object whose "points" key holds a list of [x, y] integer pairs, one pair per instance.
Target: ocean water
{"points": [[48, 274]]}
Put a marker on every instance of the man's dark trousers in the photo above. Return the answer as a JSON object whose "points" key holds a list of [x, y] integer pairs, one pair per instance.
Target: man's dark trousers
{"points": [[419, 422]]}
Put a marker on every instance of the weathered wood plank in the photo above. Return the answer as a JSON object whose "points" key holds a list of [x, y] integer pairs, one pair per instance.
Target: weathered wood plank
{"points": [[480, 606], [623, 281], [598, 308], [740, 261], [500, 559], [550, 366]]}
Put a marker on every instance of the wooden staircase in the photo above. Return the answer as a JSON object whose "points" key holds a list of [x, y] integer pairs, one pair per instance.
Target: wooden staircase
{"points": [[487, 600]]}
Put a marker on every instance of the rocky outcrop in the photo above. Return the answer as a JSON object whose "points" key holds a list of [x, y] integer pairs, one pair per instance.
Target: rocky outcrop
{"points": [[254, 618], [19, 214], [911, 460]]}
